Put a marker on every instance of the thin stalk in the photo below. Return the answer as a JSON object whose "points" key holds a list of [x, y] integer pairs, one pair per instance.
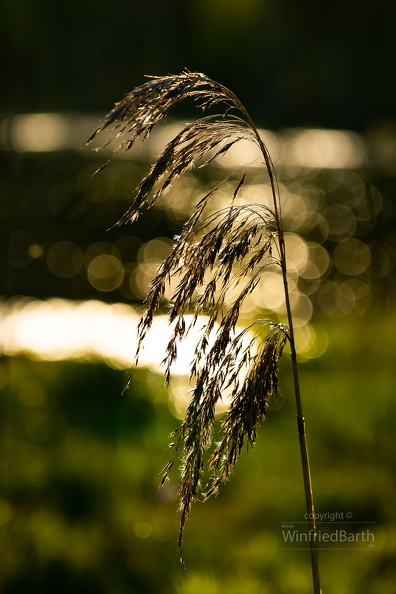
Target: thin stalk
{"points": [[302, 437]]}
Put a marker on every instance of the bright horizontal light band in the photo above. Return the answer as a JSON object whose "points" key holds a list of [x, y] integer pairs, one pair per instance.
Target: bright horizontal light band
{"points": [[299, 147], [57, 329]]}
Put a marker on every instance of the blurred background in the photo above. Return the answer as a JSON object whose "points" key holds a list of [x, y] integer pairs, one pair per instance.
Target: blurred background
{"points": [[80, 463]]}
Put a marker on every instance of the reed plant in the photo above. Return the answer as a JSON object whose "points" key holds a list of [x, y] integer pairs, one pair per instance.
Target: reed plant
{"points": [[216, 262]]}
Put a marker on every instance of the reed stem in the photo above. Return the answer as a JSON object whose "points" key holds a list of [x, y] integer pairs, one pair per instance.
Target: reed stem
{"points": [[302, 437]]}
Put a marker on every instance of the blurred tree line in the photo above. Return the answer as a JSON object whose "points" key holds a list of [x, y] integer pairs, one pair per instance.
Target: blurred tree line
{"points": [[293, 64]]}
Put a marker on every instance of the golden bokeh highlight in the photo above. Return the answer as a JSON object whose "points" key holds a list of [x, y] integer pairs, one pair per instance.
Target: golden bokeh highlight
{"points": [[105, 273]]}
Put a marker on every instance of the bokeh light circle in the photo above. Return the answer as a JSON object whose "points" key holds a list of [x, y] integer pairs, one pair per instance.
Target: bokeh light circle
{"points": [[105, 273]]}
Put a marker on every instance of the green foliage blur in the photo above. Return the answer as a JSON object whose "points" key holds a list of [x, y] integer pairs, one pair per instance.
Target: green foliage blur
{"points": [[80, 508]]}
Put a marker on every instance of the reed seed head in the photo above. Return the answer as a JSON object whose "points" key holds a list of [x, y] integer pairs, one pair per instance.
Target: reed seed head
{"points": [[216, 255]]}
